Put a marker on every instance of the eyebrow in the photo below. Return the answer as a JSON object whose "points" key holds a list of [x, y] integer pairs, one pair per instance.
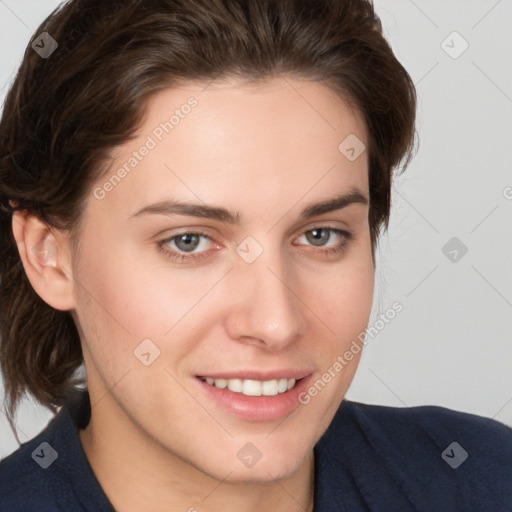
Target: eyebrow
{"points": [[172, 207]]}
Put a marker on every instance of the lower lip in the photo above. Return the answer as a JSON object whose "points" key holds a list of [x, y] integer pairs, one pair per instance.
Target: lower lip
{"points": [[257, 408]]}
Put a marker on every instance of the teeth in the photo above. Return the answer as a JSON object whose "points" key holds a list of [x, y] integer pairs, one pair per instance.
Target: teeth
{"points": [[235, 385], [270, 387], [219, 383], [250, 387]]}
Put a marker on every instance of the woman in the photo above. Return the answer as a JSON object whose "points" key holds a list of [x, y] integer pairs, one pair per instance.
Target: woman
{"points": [[192, 192]]}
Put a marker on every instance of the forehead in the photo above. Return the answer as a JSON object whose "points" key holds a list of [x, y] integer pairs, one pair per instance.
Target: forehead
{"points": [[234, 141], [235, 104]]}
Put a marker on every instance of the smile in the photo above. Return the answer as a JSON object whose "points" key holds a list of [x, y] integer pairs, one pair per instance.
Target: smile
{"points": [[249, 387], [254, 395]]}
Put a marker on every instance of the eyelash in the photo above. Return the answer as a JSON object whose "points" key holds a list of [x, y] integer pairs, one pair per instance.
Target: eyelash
{"points": [[184, 257]]}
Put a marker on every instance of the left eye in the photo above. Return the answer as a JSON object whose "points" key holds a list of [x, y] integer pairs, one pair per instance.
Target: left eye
{"points": [[319, 236], [186, 243]]}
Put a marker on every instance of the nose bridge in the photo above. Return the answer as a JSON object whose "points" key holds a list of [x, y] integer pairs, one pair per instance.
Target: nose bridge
{"points": [[268, 308]]}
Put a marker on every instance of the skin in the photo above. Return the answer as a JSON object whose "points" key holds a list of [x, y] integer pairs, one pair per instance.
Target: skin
{"points": [[155, 441]]}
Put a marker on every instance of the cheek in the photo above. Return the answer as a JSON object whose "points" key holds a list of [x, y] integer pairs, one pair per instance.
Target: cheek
{"points": [[343, 296], [125, 301], [343, 305], [133, 297]]}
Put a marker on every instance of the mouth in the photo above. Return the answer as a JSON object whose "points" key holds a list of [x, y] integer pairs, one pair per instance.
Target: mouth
{"points": [[256, 396], [251, 387]]}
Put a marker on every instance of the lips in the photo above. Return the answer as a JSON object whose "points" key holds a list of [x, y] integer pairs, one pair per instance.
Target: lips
{"points": [[251, 395]]}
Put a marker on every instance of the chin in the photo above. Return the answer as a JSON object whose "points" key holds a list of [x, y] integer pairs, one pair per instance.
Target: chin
{"points": [[231, 467], [262, 473]]}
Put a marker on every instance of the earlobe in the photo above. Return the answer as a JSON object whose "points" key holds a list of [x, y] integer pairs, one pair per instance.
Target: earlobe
{"points": [[46, 259]]}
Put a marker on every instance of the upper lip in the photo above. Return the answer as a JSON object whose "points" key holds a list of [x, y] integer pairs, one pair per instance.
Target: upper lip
{"points": [[285, 373]]}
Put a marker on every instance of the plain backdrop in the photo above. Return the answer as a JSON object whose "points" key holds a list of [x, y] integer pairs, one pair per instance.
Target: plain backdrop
{"points": [[447, 256]]}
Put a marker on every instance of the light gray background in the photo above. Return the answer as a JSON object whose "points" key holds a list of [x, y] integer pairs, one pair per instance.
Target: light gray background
{"points": [[451, 343]]}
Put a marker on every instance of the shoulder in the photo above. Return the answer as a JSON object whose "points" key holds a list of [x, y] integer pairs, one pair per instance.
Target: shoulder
{"points": [[432, 426], [429, 454], [26, 476], [51, 473], [431, 419]]}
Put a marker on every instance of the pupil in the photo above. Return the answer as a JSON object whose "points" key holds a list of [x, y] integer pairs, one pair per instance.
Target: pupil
{"points": [[319, 236], [188, 240]]}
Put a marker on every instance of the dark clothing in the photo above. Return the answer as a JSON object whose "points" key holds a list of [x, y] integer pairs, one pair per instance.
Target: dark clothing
{"points": [[371, 458]]}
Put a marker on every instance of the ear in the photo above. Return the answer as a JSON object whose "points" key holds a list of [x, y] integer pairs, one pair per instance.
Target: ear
{"points": [[46, 257]]}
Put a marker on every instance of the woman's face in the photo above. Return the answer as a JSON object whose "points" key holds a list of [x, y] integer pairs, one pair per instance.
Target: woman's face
{"points": [[174, 301]]}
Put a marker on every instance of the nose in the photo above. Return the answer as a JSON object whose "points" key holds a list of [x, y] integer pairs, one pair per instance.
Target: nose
{"points": [[267, 309]]}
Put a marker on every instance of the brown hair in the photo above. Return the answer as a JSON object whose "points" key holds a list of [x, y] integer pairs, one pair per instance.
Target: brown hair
{"points": [[64, 113]]}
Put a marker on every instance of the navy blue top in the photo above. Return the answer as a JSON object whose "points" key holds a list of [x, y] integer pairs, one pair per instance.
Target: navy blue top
{"points": [[371, 458]]}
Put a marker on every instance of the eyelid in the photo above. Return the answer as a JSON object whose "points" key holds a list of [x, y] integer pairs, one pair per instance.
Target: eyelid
{"points": [[201, 234], [328, 224], [203, 231], [192, 257]]}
